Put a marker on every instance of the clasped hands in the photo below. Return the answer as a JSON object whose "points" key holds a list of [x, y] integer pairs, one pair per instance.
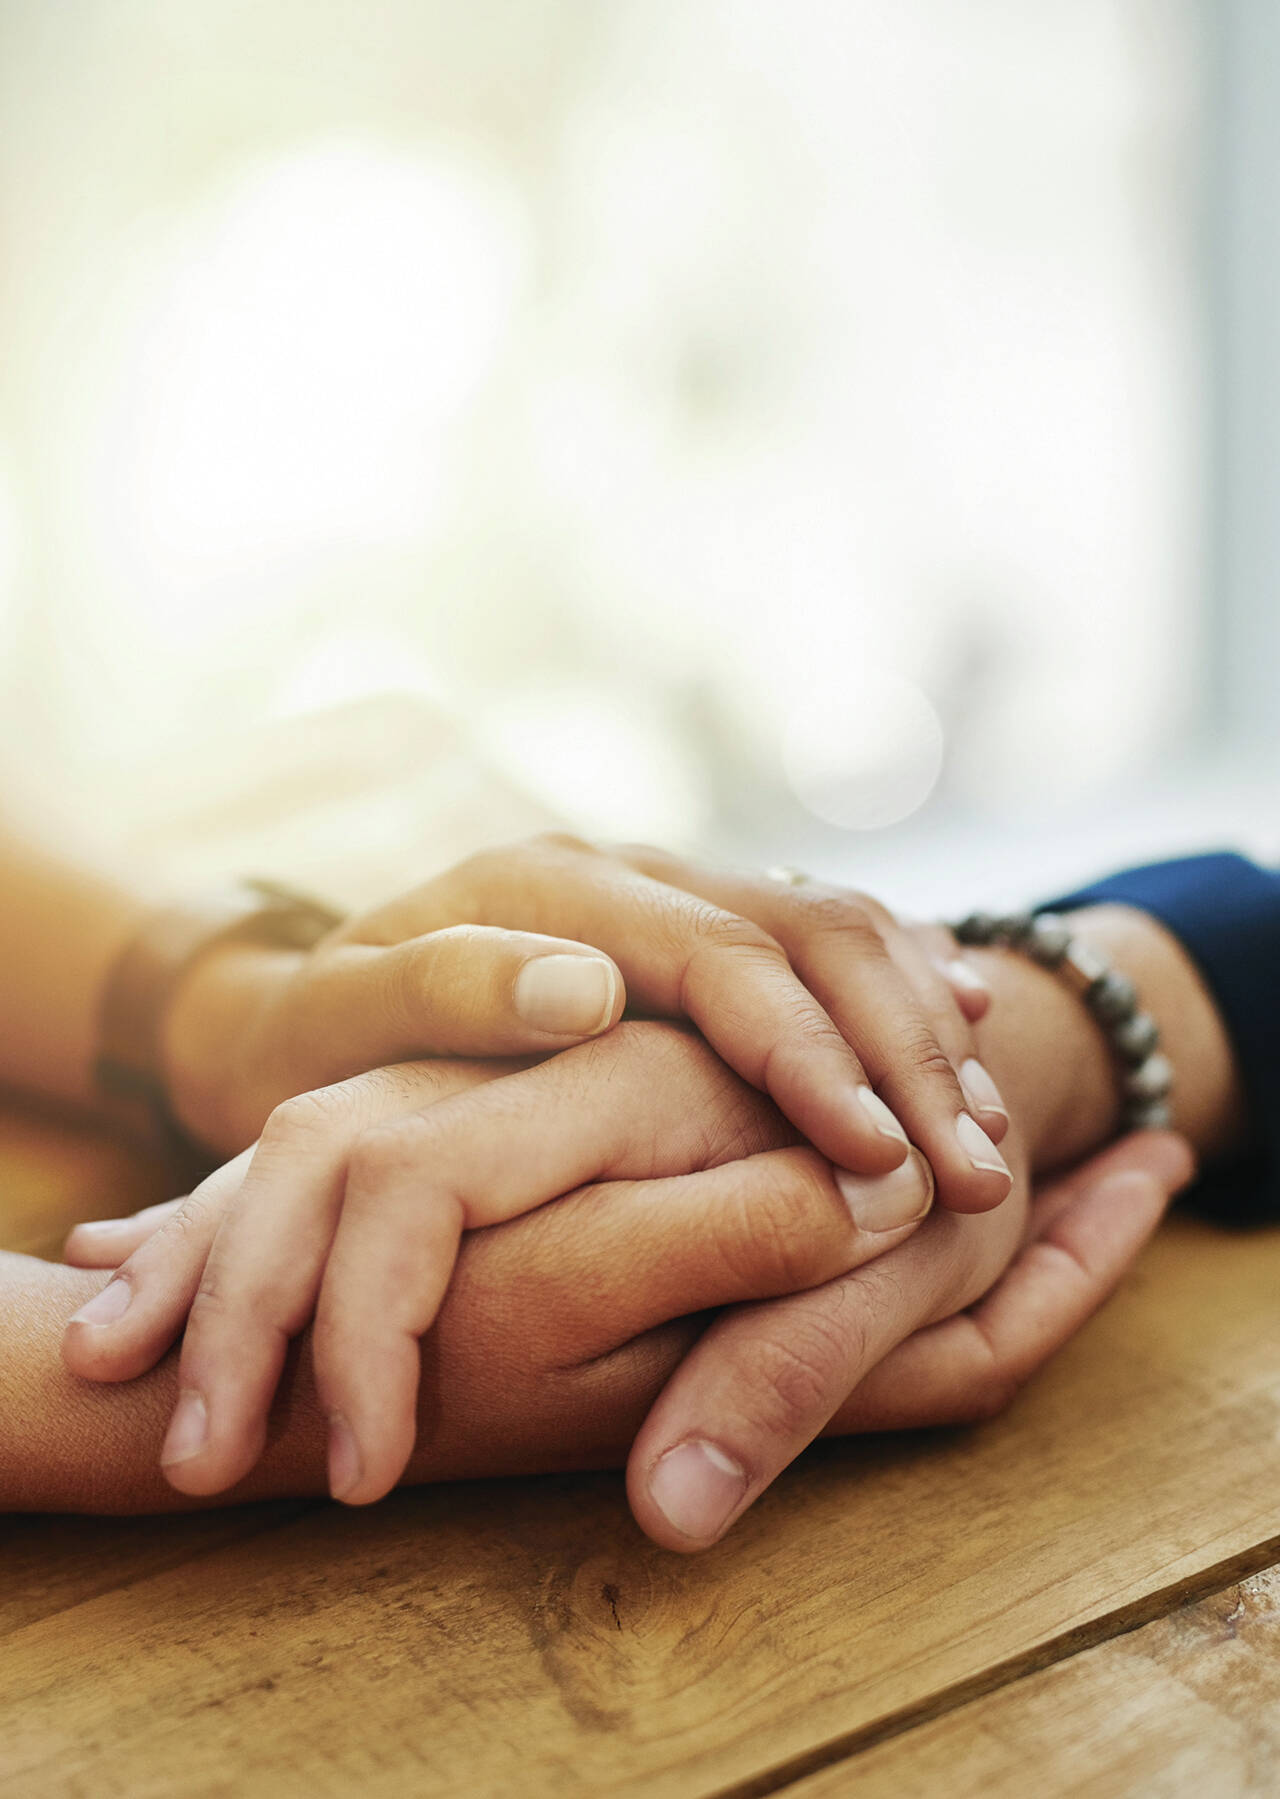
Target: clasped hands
{"points": [[706, 1241]]}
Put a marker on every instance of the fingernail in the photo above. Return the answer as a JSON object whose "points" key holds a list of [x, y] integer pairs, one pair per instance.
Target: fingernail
{"points": [[566, 994], [979, 1148], [697, 1487], [107, 1306], [960, 974], [888, 1201], [100, 1227], [188, 1429], [880, 1115], [344, 1458], [979, 1088]]}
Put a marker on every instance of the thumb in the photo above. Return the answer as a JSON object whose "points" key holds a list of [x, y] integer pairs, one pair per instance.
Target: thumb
{"points": [[470, 990]]}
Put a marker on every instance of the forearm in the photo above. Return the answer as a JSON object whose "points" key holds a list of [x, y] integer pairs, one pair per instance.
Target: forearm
{"points": [[61, 928], [68, 1445]]}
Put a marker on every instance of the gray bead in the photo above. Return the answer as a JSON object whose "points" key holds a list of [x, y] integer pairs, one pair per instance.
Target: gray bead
{"points": [[1016, 929], [1049, 940], [978, 929], [1153, 1080], [1137, 1037], [1148, 1115], [1113, 999]]}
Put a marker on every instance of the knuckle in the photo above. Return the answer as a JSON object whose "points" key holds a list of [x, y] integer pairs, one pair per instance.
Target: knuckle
{"points": [[808, 1032], [716, 931], [647, 858], [384, 1150], [742, 1124], [839, 915], [302, 1116], [799, 1373], [209, 1303], [189, 1220], [924, 1058], [559, 843], [452, 937], [779, 1225]]}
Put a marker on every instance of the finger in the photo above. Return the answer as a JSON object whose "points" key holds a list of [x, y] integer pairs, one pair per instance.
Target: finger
{"points": [[352, 1209], [766, 1379], [129, 1324], [105, 1242], [1090, 1230], [837, 943], [161, 1274], [967, 985], [681, 955], [931, 982], [260, 1280], [484, 1157], [970, 992], [762, 1225], [466, 990], [756, 1388]]}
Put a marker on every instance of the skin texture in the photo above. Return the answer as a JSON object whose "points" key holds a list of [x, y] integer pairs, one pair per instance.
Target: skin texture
{"points": [[519, 1375], [650, 1103], [354, 1203], [921, 1349], [811, 994]]}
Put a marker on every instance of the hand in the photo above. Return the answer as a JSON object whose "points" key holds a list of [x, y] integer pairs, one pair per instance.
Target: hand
{"points": [[962, 1262], [909, 1340], [812, 994], [353, 1206], [561, 1327]]}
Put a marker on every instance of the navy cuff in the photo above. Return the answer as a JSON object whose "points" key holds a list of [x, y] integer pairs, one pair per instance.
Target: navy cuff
{"points": [[1226, 911]]}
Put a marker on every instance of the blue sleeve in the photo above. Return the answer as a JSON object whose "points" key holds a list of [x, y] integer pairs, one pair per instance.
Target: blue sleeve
{"points": [[1226, 911]]}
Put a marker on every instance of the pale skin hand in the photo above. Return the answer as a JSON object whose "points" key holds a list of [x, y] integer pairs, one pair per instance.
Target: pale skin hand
{"points": [[510, 954], [813, 995]]}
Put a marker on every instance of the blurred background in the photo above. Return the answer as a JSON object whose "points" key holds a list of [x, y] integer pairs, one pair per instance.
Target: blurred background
{"points": [[837, 432]]}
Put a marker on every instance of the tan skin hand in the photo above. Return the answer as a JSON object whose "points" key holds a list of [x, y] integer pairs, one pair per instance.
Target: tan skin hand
{"points": [[559, 1331], [342, 1207], [765, 1380]]}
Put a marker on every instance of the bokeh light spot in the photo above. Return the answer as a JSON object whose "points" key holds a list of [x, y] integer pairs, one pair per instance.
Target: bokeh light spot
{"points": [[868, 757]]}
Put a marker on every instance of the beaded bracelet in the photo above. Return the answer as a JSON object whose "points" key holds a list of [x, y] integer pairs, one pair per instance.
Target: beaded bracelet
{"points": [[1112, 999]]}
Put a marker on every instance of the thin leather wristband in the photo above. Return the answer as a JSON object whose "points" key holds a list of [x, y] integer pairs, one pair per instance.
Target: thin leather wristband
{"points": [[129, 1067]]}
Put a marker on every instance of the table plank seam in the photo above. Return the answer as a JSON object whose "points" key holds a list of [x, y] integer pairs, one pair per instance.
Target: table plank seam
{"points": [[1160, 1603]]}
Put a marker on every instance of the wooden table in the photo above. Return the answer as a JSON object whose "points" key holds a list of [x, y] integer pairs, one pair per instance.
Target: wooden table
{"points": [[1082, 1597]]}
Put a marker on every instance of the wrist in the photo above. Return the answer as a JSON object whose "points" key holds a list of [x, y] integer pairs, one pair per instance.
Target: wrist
{"points": [[1208, 1098], [1054, 1063], [210, 1040], [1049, 1058]]}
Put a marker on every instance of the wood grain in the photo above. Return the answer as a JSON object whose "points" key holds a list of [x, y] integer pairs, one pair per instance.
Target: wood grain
{"points": [[1189, 1705], [494, 1637], [522, 1637]]}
